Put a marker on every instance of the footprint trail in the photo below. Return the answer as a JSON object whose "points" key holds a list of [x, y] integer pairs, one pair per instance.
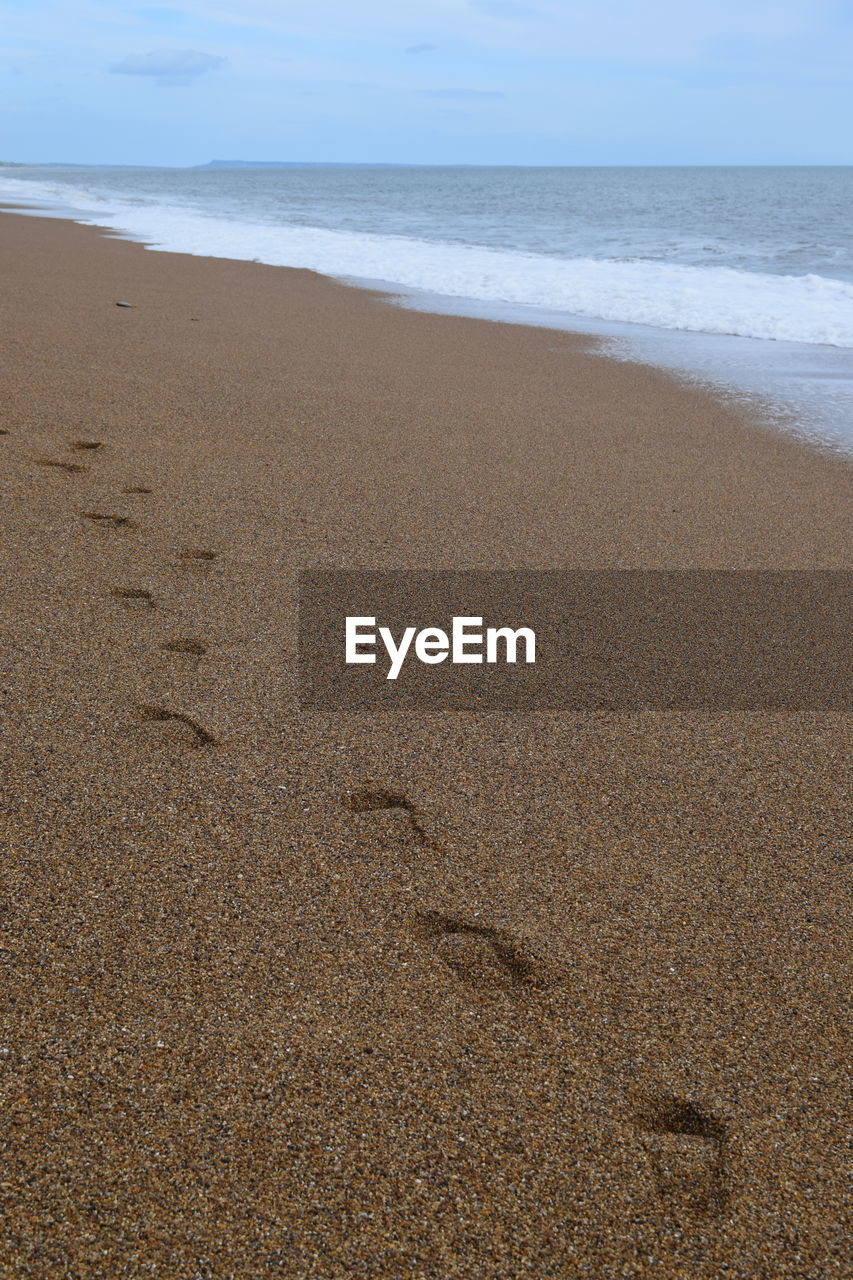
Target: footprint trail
{"points": [[70, 468], [193, 647], [378, 799], [107, 520], [688, 1152], [162, 715], [480, 955], [134, 596]]}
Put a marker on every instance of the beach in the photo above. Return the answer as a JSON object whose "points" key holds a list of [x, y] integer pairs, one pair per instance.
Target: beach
{"points": [[328, 995]]}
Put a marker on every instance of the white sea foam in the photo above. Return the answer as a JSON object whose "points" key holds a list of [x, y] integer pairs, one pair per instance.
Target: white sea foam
{"points": [[809, 308]]}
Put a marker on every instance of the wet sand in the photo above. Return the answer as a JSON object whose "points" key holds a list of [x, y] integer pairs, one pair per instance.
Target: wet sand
{"points": [[303, 995]]}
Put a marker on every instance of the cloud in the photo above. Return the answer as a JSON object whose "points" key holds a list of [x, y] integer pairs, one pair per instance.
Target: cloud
{"points": [[177, 67], [421, 48], [461, 93]]}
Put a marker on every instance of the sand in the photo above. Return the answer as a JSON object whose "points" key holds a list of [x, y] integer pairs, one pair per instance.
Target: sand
{"points": [[293, 994]]}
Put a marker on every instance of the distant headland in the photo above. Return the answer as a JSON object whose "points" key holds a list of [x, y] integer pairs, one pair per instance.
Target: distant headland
{"points": [[291, 164]]}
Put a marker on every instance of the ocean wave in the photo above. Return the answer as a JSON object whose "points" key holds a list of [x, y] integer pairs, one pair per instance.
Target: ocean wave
{"points": [[809, 308]]}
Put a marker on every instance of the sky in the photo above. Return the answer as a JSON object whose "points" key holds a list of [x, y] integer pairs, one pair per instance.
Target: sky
{"points": [[427, 81]]}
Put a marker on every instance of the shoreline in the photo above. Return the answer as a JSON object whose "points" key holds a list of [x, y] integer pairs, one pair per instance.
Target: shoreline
{"points": [[623, 342], [694, 359], [801, 388], [258, 1022]]}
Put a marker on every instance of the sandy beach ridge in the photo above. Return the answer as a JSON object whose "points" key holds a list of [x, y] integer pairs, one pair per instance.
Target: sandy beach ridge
{"points": [[328, 995]]}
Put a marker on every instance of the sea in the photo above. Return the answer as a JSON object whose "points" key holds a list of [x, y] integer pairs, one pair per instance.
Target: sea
{"points": [[740, 279]]}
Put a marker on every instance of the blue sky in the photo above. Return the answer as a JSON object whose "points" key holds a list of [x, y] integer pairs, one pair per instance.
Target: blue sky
{"points": [[428, 81]]}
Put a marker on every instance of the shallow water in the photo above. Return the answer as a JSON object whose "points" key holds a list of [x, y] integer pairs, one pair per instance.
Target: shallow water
{"points": [[740, 277]]}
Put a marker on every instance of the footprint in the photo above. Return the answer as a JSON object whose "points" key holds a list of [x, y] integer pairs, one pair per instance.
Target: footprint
{"points": [[197, 554], [72, 468], [194, 647], [136, 488], [134, 595], [687, 1151], [479, 955], [161, 715], [374, 800], [114, 522], [86, 444]]}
